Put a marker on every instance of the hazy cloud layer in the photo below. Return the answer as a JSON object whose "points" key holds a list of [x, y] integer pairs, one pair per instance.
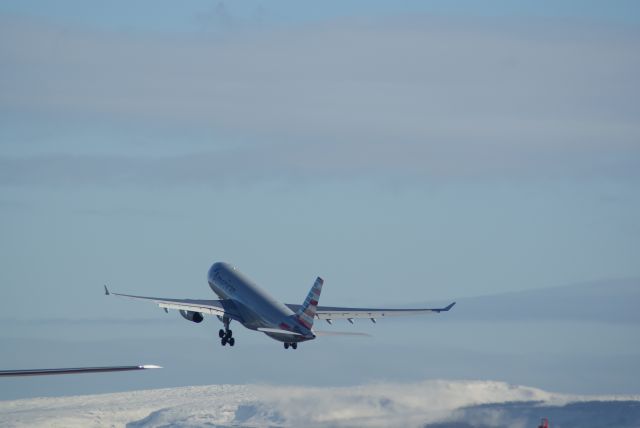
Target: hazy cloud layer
{"points": [[610, 301], [405, 98], [455, 403]]}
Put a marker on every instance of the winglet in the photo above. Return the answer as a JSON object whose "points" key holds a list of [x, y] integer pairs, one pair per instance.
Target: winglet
{"points": [[106, 291], [446, 309]]}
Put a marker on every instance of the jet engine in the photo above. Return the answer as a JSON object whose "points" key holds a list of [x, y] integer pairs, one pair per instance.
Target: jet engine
{"points": [[192, 316]]}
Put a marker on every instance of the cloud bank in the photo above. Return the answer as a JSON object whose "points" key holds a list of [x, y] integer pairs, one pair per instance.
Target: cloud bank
{"points": [[413, 97], [610, 301], [439, 403]]}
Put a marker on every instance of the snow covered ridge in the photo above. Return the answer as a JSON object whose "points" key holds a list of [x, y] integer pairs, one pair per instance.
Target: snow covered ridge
{"points": [[433, 403]]}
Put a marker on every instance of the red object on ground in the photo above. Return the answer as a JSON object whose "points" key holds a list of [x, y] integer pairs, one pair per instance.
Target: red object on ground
{"points": [[544, 423]]}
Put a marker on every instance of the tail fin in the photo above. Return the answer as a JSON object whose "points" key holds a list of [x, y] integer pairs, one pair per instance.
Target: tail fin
{"points": [[307, 311]]}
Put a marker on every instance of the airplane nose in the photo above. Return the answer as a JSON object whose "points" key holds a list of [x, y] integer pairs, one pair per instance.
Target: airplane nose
{"points": [[217, 267], [214, 267], [221, 265]]}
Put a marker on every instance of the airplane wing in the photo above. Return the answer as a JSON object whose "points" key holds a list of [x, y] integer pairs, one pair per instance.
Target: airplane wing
{"points": [[334, 312], [41, 372], [212, 307]]}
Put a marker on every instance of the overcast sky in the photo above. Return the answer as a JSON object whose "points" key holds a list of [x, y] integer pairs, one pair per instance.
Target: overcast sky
{"points": [[408, 152]]}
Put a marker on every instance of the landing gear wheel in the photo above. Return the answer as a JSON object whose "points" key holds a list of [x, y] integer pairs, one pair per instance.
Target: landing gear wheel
{"points": [[286, 346], [226, 335], [293, 345]]}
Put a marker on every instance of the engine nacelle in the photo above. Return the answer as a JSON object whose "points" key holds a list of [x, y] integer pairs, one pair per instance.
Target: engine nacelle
{"points": [[192, 316]]}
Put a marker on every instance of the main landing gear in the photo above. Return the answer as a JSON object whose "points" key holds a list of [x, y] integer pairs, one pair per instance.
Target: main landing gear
{"points": [[294, 345], [226, 335]]}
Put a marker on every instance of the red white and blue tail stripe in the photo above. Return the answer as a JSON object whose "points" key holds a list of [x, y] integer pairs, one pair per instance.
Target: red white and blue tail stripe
{"points": [[307, 311]]}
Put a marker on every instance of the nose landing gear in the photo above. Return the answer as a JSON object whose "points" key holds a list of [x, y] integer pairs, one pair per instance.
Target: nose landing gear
{"points": [[293, 345]]}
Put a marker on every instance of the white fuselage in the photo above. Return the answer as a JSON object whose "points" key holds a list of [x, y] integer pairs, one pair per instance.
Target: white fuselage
{"points": [[256, 307]]}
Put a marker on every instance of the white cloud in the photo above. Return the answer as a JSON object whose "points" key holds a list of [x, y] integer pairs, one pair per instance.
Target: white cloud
{"points": [[374, 405]]}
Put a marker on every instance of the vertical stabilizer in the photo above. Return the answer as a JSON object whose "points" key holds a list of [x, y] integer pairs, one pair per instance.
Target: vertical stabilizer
{"points": [[307, 311]]}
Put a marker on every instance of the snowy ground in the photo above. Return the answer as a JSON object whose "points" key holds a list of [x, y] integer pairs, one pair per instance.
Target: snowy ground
{"points": [[429, 403]]}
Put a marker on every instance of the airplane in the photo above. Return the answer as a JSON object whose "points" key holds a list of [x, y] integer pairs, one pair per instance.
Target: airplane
{"points": [[243, 301], [74, 370]]}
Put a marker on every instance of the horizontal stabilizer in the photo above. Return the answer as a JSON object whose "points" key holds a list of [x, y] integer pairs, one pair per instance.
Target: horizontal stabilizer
{"points": [[279, 331], [339, 333]]}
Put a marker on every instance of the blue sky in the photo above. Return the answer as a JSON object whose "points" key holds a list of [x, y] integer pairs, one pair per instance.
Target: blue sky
{"points": [[434, 150], [167, 16], [451, 151]]}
